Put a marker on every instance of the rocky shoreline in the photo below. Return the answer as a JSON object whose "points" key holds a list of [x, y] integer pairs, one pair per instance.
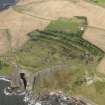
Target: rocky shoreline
{"points": [[46, 98], [11, 90], [54, 98]]}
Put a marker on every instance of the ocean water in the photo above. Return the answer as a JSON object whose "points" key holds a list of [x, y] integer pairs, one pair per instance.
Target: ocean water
{"points": [[6, 3], [9, 100]]}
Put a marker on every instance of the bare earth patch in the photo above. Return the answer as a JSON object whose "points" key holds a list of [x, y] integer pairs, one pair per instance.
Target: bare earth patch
{"points": [[96, 37], [19, 25]]}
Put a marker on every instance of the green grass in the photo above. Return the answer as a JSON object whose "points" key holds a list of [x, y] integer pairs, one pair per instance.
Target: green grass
{"points": [[98, 2], [68, 25], [67, 31], [65, 77], [91, 93], [60, 40], [38, 54], [5, 69], [66, 34]]}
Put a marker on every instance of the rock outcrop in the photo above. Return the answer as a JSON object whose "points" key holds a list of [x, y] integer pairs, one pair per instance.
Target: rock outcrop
{"points": [[55, 98]]}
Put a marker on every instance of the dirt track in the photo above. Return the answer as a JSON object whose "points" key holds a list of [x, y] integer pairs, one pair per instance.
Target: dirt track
{"points": [[20, 24]]}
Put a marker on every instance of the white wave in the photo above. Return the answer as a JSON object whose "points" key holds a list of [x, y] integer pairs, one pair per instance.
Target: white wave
{"points": [[4, 79], [23, 93], [26, 99], [38, 103], [6, 93], [13, 93]]}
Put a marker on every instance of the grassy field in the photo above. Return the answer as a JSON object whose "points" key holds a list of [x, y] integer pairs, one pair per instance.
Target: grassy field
{"points": [[60, 37], [5, 69], [99, 2]]}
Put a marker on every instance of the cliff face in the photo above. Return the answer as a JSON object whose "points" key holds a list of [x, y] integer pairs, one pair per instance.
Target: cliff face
{"points": [[18, 81], [23, 79]]}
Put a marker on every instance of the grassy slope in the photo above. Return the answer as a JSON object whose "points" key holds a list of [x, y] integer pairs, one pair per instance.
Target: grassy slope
{"points": [[42, 43], [5, 69], [61, 43]]}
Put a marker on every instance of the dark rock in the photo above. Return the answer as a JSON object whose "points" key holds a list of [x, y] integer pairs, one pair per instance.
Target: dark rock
{"points": [[55, 98]]}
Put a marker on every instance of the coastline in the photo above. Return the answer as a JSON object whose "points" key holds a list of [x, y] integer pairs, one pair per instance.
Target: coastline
{"points": [[6, 5], [9, 99], [11, 89], [5, 78]]}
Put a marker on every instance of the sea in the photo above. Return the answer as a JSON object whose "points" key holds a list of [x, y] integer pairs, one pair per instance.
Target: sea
{"points": [[4, 4], [9, 100]]}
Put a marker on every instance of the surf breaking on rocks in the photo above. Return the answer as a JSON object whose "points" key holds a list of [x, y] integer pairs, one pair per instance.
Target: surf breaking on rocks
{"points": [[8, 90]]}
